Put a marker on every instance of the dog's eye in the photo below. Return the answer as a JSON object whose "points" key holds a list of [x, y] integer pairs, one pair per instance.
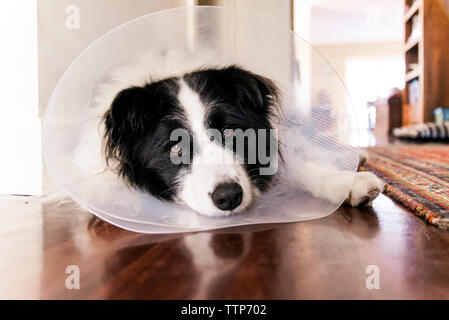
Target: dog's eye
{"points": [[228, 132], [176, 148]]}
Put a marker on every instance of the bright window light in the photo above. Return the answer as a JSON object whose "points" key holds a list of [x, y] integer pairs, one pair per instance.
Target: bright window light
{"points": [[369, 79], [20, 128]]}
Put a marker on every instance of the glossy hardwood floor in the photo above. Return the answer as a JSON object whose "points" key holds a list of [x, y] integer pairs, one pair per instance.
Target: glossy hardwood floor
{"points": [[320, 259]]}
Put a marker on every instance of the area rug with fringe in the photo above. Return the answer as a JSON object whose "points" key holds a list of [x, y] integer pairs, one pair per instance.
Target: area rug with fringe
{"points": [[417, 176]]}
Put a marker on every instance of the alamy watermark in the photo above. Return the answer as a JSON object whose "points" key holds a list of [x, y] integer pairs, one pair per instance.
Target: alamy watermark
{"points": [[373, 280], [73, 17], [72, 282], [249, 146]]}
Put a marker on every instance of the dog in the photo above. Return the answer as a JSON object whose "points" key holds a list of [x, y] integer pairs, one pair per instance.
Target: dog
{"points": [[209, 105]]}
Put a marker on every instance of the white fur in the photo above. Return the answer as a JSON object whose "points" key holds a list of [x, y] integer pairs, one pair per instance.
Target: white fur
{"points": [[365, 186], [324, 182], [150, 67], [211, 166], [331, 184]]}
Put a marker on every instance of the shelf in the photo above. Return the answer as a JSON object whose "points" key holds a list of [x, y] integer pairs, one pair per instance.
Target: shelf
{"points": [[412, 75], [411, 44], [413, 9], [427, 84]]}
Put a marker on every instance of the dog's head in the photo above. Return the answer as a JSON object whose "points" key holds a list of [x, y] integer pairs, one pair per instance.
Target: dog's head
{"points": [[203, 139]]}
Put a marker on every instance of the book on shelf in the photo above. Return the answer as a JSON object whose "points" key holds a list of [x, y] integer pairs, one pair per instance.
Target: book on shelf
{"points": [[413, 92]]}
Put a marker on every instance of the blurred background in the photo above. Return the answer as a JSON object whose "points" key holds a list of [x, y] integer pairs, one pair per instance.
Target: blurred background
{"points": [[367, 42]]}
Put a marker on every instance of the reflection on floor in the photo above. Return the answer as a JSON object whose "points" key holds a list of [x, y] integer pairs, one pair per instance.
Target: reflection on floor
{"points": [[305, 260]]}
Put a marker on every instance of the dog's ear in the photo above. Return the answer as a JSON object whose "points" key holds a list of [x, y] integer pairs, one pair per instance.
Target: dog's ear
{"points": [[135, 109], [123, 121], [249, 90], [132, 113], [128, 113]]}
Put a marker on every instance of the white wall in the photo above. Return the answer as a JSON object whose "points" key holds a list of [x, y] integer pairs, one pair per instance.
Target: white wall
{"points": [[357, 21], [337, 54], [61, 39], [20, 139], [60, 43]]}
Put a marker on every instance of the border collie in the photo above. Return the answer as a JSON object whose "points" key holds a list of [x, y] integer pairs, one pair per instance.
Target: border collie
{"points": [[210, 105]]}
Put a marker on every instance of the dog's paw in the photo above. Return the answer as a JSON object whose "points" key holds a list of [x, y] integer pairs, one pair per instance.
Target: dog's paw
{"points": [[365, 188]]}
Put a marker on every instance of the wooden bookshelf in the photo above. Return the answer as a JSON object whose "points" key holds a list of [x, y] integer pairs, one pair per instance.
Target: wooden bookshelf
{"points": [[426, 49]]}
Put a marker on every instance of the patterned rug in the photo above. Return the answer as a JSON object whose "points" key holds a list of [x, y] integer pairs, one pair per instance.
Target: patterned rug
{"points": [[417, 176]]}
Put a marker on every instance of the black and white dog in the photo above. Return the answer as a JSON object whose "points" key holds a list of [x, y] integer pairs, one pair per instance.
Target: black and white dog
{"points": [[210, 105]]}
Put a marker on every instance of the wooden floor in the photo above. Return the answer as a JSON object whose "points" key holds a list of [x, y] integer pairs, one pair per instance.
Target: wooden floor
{"points": [[321, 259]]}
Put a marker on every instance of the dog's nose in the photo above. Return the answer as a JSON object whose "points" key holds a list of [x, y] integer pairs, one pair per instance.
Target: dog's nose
{"points": [[227, 196]]}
